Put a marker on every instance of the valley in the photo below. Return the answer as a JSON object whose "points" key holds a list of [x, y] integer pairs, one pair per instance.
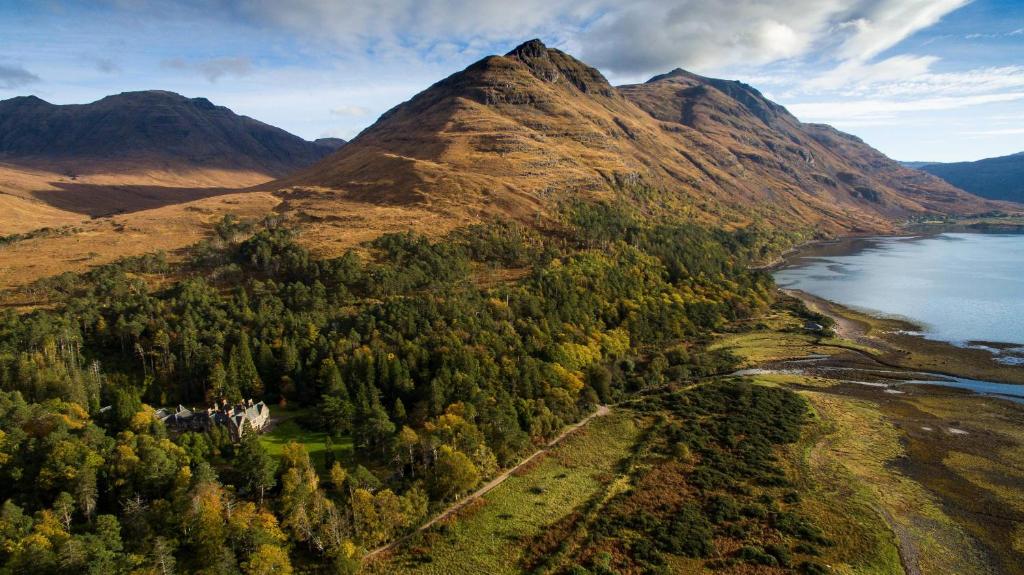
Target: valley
{"points": [[524, 322]]}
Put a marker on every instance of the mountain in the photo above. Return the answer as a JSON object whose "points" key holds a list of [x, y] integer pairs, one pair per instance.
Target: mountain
{"points": [[524, 133], [331, 144], [132, 151], [145, 130], [917, 165], [524, 136], [999, 178]]}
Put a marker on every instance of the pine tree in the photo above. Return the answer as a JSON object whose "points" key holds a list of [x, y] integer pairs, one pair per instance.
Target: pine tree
{"points": [[330, 381], [377, 425], [242, 372], [217, 382], [256, 466]]}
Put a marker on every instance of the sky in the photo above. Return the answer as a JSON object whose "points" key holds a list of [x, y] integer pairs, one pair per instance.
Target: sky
{"points": [[924, 80]]}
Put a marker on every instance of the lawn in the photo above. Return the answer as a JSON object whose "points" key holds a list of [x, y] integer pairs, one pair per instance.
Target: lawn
{"points": [[288, 428], [489, 536]]}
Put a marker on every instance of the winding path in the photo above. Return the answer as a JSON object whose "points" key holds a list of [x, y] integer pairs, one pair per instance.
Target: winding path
{"points": [[601, 411]]}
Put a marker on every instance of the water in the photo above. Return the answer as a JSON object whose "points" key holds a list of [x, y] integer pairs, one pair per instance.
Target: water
{"points": [[960, 288], [1008, 391], [1003, 390]]}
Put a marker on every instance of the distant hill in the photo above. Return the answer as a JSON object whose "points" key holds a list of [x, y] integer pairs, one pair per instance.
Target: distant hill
{"points": [[917, 165], [143, 130], [524, 133], [331, 144], [133, 151], [999, 178]]}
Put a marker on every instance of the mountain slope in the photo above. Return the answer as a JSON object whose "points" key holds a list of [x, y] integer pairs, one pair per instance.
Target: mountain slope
{"points": [[522, 133], [132, 151], [999, 178], [753, 135]]}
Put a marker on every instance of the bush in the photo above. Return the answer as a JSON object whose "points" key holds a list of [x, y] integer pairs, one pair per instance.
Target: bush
{"points": [[780, 553], [757, 556], [689, 534], [806, 549]]}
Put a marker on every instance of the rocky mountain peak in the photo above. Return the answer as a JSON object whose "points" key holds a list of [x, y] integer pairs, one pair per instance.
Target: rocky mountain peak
{"points": [[553, 66]]}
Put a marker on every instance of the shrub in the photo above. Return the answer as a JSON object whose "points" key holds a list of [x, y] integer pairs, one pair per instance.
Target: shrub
{"points": [[757, 556]]}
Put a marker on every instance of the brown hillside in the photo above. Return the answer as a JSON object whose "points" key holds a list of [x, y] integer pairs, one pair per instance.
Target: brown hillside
{"points": [[41, 195], [521, 133], [760, 137]]}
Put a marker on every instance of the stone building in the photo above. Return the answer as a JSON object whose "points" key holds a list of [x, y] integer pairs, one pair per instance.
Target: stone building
{"points": [[232, 416]]}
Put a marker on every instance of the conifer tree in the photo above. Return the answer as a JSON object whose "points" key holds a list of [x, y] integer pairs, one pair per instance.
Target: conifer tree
{"points": [[255, 465]]}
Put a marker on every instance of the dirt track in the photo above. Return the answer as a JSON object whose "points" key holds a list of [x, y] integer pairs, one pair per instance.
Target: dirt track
{"points": [[602, 410]]}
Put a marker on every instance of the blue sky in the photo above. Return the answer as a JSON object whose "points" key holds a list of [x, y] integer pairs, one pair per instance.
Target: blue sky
{"points": [[935, 80]]}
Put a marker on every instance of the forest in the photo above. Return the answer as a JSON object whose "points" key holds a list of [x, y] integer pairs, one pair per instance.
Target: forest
{"points": [[436, 376]]}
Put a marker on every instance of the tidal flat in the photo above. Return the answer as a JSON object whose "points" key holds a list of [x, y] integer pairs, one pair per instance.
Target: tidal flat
{"points": [[942, 467]]}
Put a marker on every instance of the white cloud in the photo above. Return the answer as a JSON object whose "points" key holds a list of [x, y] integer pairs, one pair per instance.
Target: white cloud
{"points": [[908, 77], [401, 27], [856, 72], [623, 38], [996, 132], [840, 111], [880, 25]]}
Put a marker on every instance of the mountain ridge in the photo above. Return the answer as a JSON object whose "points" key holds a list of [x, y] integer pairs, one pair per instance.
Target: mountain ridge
{"points": [[998, 178], [146, 129], [522, 136], [523, 133]]}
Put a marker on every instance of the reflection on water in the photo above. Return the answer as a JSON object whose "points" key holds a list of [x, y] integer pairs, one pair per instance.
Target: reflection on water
{"points": [[962, 288]]}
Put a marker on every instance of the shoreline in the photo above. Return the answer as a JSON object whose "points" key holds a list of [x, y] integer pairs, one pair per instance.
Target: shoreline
{"points": [[890, 344], [910, 230], [897, 341]]}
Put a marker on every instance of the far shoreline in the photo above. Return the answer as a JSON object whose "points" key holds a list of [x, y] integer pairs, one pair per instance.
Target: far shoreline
{"points": [[895, 343], [898, 340]]}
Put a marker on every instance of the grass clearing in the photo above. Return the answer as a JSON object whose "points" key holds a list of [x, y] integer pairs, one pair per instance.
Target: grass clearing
{"points": [[287, 429], [487, 536], [763, 346]]}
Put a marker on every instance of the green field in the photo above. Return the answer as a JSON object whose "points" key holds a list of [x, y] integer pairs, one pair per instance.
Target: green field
{"points": [[287, 428], [489, 536]]}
